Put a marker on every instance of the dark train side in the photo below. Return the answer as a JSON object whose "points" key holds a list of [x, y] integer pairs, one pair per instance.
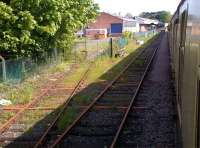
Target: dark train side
{"points": [[184, 34]]}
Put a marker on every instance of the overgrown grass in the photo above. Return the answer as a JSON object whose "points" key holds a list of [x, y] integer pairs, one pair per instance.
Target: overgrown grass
{"points": [[76, 75], [23, 93], [68, 117], [144, 38], [59, 68], [52, 101], [5, 116], [18, 94], [131, 46], [31, 118]]}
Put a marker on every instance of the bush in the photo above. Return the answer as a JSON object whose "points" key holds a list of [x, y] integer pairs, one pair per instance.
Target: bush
{"points": [[129, 35]]}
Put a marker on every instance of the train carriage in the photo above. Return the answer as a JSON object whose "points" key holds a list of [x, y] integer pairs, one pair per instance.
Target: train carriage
{"points": [[185, 51]]}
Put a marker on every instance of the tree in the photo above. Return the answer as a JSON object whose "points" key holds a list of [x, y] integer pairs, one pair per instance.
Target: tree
{"points": [[163, 16], [32, 27], [129, 15], [15, 30]]}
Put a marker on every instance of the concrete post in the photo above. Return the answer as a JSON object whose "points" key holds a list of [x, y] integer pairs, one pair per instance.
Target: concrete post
{"points": [[3, 67]]}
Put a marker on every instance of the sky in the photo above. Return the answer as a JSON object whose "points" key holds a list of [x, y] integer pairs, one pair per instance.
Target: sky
{"points": [[135, 7]]}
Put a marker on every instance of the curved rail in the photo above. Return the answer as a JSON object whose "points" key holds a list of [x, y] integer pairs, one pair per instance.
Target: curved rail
{"points": [[132, 101], [68, 129], [39, 143]]}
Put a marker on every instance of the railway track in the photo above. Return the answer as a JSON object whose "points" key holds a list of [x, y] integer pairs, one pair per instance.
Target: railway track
{"points": [[98, 124], [152, 126], [11, 127]]}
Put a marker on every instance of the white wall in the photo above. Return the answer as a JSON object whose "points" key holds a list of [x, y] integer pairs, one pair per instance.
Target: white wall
{"points": [[131, 26]]}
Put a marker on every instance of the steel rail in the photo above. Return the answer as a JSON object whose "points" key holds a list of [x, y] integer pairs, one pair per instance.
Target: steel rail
{"points": [[31, 108], [82, 107], [68, 129], [68, 100], [132, 101]]}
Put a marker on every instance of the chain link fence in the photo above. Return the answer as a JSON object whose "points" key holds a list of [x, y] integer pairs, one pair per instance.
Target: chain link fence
{"points": [[17, 70]]}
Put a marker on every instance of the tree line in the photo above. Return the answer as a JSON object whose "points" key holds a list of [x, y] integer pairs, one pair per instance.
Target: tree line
{"points": [[163, 16], [31, 27]]}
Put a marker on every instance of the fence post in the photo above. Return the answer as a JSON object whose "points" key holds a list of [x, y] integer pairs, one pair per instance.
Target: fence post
{"points": [[3, 67], [85, 43], [55, 54], [111, 47]]}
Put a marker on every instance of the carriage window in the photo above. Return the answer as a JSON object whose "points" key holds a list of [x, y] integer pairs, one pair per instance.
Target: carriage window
{"points": [[183, 27], [183, 23]]}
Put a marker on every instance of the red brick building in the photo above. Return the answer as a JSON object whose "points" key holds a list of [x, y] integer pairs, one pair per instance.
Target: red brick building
{"points": [[105, 24]]}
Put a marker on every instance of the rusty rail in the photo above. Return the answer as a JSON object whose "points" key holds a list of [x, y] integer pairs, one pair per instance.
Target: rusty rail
{"points": [[64, 108], [132, 102], [82, 107], [6, 125], [31, 108]]}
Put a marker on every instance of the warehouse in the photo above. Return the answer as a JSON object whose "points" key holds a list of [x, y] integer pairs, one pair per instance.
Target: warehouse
{"points": [[111, 25]]}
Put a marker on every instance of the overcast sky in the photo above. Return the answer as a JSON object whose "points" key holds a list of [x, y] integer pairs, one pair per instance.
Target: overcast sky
{"points": [[137, 6]]}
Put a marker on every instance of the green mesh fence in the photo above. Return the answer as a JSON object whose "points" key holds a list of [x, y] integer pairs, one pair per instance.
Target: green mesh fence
{"points": [[90, 49], [122, 42], [14, 70], [1, 72], [119, 44], [19, 69]]}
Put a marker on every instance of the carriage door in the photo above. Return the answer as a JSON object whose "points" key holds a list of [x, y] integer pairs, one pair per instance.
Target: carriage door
{"points": [[183, 24]]}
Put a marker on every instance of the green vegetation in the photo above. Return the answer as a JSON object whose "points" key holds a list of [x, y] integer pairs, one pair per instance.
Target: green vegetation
{"points": [[73, 79], [30, 28], [23, 93], [53, 101], [129, 35], [5, 117], [58, 68], [68, 117], [30, 118], [18, 94], [163, 16]]}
